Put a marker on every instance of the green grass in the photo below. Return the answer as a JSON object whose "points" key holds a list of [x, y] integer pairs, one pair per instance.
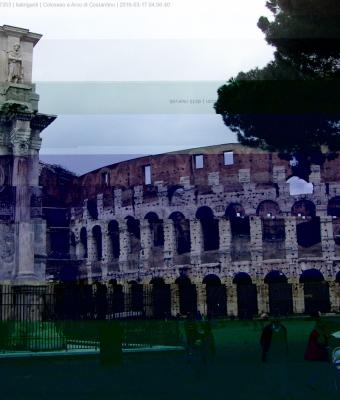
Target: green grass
{"points": [[236, 373]]}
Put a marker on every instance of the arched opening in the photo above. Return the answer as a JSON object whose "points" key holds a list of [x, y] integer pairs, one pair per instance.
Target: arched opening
{"points": [[216, 296], [156, 228], [182, 232], [307, 229], [83, 242], [246, 296], [187, 296], [240, 232], [268, 209], [133, 228], [63, 295], [333, 210], [100, 301], [304, 208], [161, 298], [137, 297], [337, 277], [98, 245], [113, 230], [273, 230], [280, 293], [92, 208], [316, 291], [209, 226], [116, 298]]}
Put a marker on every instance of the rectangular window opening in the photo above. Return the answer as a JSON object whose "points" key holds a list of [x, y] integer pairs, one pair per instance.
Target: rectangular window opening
{"points": [[147, 174], [228, 157], [105, 179], [199, 161]]}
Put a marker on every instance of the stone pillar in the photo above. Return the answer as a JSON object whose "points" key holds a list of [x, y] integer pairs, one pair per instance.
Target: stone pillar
{"points": [[91, 246], [334, 296], [327, 238], [174, 291], [291, 245], [24, 253], [146, 242], [298, 296], [201, 298], [256, 239], [138, 195], [196, 238], [147, 288], [169, 242], [85, 212], [100, 205], [106, 250], [262, 291], [117, 200], [107, 244], [225, 243], [125, 247], [232, 307]]}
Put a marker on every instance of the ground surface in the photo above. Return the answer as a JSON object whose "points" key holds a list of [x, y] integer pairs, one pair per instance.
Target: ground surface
{"points": [[236, 373]]}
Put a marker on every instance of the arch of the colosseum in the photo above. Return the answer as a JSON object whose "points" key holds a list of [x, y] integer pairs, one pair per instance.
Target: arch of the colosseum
{"points": [[195, 232]]}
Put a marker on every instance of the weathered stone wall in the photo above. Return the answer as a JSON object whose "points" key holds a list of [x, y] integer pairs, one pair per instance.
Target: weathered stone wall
{"points": [[255, 185]]}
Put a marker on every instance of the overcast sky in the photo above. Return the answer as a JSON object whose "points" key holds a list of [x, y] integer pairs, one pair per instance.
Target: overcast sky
{"points": [[132, 78]]}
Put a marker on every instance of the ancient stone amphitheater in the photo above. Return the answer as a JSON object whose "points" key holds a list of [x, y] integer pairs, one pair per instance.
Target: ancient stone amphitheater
{"points": [[217, 230]]}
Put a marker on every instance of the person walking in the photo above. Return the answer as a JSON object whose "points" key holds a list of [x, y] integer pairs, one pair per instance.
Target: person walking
{"points": [[274, 345]]}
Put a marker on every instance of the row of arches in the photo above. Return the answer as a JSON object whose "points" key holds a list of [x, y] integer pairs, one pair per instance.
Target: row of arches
{"points": [[156, 300], [273, 228]]}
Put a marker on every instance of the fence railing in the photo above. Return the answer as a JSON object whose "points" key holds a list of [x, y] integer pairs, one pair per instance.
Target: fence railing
{"points": [[69, 317]]}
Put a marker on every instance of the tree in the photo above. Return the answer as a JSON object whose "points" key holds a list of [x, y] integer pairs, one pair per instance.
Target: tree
{"points": [[292, 105]]}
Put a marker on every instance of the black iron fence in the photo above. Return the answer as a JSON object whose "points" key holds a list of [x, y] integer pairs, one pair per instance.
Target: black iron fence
{"points": [[73, 317]]}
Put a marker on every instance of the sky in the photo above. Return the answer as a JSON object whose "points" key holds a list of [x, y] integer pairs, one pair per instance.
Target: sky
{"points": [[128, 78]]}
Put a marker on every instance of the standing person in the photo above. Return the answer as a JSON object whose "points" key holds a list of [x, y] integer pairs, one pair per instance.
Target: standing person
{"points": [[274, 346], [317, 351]]}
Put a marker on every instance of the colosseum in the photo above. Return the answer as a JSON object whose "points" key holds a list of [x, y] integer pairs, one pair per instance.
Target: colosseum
{"points": [[221, 230], [224, 230]]}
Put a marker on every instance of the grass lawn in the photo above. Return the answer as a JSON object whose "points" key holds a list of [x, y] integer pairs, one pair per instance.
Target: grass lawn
{"points": [[236, 373]]}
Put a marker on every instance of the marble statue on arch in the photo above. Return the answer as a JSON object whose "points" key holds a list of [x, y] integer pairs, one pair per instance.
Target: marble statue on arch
{"points": [[11, 68], [15, 69]]}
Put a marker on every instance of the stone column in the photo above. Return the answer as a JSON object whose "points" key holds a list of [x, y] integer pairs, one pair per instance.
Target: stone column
{"points": [[146, 242], [174, 291], [169, 242], [138, 195], [327, 238], [196, 238], [334, 296], [262, 291], [106, 250], [91, 254], [117, 200], [79, 246], [201, 290], [147, 288], [232, 307], [298, 296], [125, 247], [225, 243], [100, 205], [291, 245], [256, 239]]}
